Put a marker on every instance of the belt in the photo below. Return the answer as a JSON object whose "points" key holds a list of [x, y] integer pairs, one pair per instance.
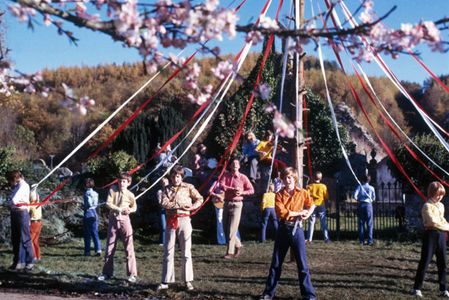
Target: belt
{"points": [[288, 223], [226, 200]]}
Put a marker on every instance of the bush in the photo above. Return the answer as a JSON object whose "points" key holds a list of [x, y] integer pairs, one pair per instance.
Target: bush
{"points": [[432, 147], [106, 168]]}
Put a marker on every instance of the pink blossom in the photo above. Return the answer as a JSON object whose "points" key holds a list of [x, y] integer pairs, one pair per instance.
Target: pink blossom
{"points": [[47, 20], [255, 37], [208, 88], [222, 70], [268, 23], [81, 109], [283, 126], [264, 91], [270, 107], [200, 99]]}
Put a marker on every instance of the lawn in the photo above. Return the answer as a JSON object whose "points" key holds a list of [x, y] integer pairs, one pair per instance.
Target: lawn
{"points": [[340, 270]]}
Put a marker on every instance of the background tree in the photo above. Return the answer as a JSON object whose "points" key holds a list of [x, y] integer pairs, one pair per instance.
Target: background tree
{"points": [[325, 150], [225, 124], [432, 147]]}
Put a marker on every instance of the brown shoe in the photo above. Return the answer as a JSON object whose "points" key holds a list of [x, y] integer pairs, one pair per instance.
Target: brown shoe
{"points": [[229, 256], [238, 251]]}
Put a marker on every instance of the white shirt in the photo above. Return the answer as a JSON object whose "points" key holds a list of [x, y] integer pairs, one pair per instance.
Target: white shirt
{"points": [[20, 195]]}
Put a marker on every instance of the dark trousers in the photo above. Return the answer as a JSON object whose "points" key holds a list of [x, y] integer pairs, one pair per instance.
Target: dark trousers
{"points": [[434, 242], [266, 215], [365, 214], [285, 240], [91, 233], [20, 237], [163, 224]]}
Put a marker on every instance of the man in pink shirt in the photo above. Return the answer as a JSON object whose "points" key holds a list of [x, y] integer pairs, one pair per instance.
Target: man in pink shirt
{"points": [[235, 185]]}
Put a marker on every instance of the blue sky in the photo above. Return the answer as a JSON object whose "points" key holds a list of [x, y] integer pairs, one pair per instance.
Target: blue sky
{"points": [[44, 48]]}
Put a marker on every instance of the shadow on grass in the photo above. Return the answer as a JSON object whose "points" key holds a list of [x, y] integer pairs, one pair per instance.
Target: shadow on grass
{"points": [[65, 284]]}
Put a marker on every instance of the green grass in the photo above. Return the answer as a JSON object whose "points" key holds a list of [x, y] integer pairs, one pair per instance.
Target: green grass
{"points": [[340, 270]]}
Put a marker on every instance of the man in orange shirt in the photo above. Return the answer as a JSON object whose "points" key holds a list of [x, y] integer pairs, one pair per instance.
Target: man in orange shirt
{"points": [[293, 205]]}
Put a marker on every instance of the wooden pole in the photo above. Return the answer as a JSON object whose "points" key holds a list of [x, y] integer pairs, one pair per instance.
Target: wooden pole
{"points": [[298, 74]]}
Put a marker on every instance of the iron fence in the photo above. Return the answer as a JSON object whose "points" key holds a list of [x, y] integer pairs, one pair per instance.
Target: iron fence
{"points": [[388, 210]]}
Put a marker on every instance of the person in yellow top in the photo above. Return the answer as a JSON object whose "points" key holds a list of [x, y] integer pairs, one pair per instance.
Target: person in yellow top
{"points": [[265, 150], [434, 239], [319, 194], [35, 223], [268, 211], [292, 205], [120, 202]]}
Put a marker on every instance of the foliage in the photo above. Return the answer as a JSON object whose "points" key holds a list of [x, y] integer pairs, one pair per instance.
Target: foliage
{"points": [[141, 138], [325, 149], [107, 167], [225, 125], [433, 148], [7, 163]]}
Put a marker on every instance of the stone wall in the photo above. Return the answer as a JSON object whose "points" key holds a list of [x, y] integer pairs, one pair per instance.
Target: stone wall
{"points": [[413, 206]]}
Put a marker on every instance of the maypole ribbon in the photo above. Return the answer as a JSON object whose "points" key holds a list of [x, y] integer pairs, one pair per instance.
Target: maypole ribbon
{"points": [[378, 59], [124, 104], [281, 93], [350, 17], [359, 102], [397, 125], [245, 53], [92, 134], [331, 106]]}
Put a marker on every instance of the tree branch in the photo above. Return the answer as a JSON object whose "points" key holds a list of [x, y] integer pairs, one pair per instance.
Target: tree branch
{"points": [[307, 33], [44, 8]]}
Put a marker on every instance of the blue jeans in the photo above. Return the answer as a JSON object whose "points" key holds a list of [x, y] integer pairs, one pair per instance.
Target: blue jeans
{"points": [[221, 238], [90, 225], [20, 237], [284, 240], [321, 212], [267, 213], [163, 224], [365, 214]]}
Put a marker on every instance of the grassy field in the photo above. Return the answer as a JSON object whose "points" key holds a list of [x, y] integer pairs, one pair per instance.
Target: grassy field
{"points": [[340, 270]]}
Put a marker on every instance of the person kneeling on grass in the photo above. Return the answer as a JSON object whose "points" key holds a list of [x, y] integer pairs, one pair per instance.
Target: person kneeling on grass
{"points": [[293, 205], [178, 199], [434, 239], [121, 203]]}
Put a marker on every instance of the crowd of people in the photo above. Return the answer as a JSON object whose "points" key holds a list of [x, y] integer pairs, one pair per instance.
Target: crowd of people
{"points": [[284, 202]]}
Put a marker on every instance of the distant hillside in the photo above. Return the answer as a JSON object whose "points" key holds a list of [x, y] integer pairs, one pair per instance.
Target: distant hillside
{"points": [[39, 126]]}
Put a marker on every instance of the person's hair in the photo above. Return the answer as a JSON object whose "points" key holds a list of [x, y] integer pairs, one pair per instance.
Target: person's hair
{"points": [[34, 196], [435, 189], [14, 176], [365, 179], [178, 169], [267, 134], [317, 175], [89, 182], [125, 176], [289, 172], [271, 187], [232, 159], [248, 134]]}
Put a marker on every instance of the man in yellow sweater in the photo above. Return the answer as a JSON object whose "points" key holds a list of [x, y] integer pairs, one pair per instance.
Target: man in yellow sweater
{"points": [[319, 194]]}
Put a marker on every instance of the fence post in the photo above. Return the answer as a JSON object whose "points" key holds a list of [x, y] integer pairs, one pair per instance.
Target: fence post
{"points": [[337, 219]]}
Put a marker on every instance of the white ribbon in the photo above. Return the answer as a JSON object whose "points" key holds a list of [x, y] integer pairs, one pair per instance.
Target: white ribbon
{"points": [[331, 108], [103, 123], [378, 59]]}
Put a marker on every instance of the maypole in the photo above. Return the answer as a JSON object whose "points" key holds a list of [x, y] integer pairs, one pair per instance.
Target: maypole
{"points": [[298, 75]]}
